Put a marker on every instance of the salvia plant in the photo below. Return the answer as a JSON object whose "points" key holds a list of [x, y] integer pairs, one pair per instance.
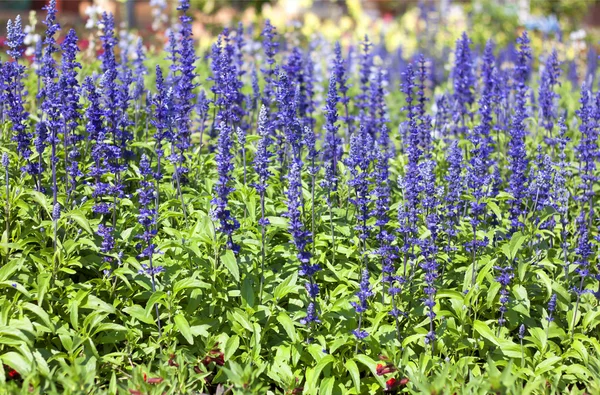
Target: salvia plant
{"points": [[286, 215]]}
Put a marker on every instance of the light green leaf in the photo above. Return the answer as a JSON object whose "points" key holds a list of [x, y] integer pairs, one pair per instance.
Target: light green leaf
{"points": [[228, 259], [484, 330], [184, 327], [354, 373], [288, 325]]}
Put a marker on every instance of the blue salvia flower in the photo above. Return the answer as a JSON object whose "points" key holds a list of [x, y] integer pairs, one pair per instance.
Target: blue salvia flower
{"points": [[339, 73], [572, 74], [50, 92], [140, 71], [202, 109], [309, 140], [301, 237], [503, 107], [239, 66], [108, 241], [505, 276], [185, 85], [548, 98], [517, 151], [521, 331], [332, 144], [480, 137], [463, 78], [56, 212], [362, 98], [410, 182], [411, 138], [255, 88], [124, 97], [13, 74], [15, 38], [540, 186], [69, 92], [592, 66], [428, 245], [261, 162], [311, 315], [115, 100], [220, 210], [387, 252], [263, 155], [295, 74], [363, 295], [147, 215], [100, 148], [443, 115], [359, 162], [308, 105], [455, 186], [270, 47], [560, 193], [163, 117], [551, 308], [287, 118], [583, 251], [587, 149], [239, 50], [377, 107], [425, 138]]}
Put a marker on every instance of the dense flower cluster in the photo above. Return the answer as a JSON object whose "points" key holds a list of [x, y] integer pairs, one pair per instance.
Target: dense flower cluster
{"points": [[304, 154]]}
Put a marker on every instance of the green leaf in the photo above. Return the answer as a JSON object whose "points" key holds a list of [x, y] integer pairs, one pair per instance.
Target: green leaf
{"points": [[371, 365], [109, 326], [484, 331], [248, 291], [231, 347], [327, 386], [8, 269], [184, 327], [312, 384], [228, 259], [546, 365], [288, 325], [81, 220], [139, 313], [17, 362], [512, 248], [189, 283], [286, 286], [354, 373]]}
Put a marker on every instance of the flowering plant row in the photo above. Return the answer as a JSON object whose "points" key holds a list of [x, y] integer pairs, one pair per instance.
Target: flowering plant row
{"points": [[295, 219]]}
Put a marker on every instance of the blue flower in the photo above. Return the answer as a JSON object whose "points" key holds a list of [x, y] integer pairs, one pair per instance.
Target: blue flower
{"points": [[463, 78], [220, 210], [517, 151]]}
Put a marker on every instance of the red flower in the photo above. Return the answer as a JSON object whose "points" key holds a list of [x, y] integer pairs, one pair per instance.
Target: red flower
{"points": [[385, 369], [135, 392], [153, 380], [404, 381], [12, 374], [215, 355], [172, 361], [391, 384]]}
